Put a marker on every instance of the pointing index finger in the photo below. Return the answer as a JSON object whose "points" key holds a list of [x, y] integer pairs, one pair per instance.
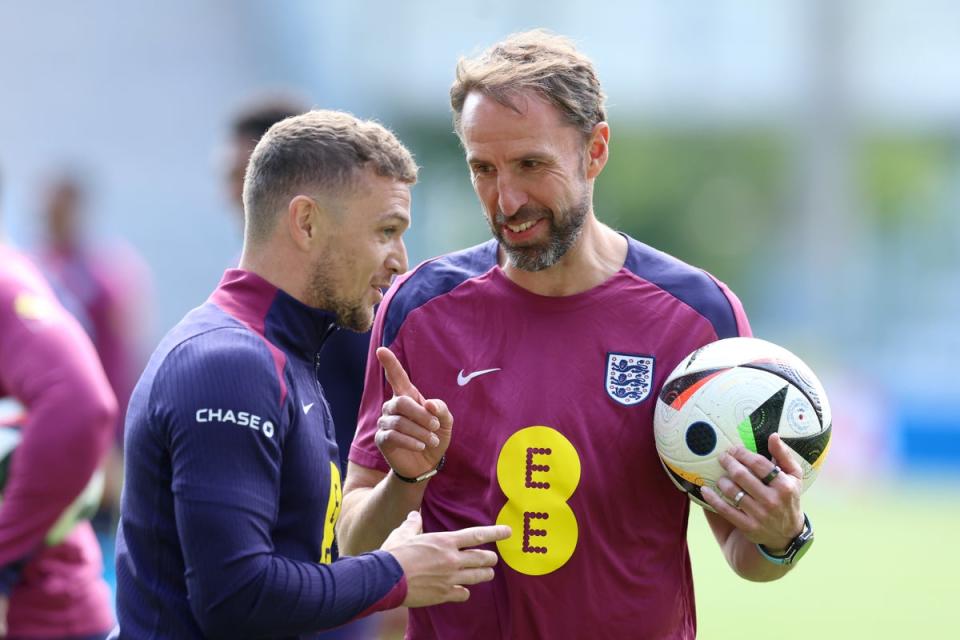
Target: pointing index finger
{"points": [[397, 377], [475, 536]]}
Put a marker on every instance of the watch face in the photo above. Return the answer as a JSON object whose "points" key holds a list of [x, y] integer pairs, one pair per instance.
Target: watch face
{"points": [[797, 547], [805, 545], [802, 542]]}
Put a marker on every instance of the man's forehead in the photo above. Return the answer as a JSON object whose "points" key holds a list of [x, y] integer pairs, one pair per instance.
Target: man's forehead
{"points": [[529, 124], [392, 195], [523, 108]]}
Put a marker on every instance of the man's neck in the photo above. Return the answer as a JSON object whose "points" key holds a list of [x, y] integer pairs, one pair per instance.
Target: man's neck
{"points": [[277, 268], [598, 254]]}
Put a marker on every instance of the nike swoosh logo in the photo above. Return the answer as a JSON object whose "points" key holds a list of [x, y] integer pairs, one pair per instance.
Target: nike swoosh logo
{"points": [[307, 407], [462, 380]]}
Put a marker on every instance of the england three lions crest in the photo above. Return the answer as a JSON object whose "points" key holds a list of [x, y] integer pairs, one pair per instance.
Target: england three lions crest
{"points": [[629, 377]]}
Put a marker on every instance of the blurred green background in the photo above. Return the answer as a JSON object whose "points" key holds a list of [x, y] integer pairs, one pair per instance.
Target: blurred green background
{"points": [[806, 152], [881, 566]]}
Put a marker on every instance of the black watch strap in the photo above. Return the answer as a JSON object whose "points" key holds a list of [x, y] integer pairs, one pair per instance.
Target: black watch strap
{"points": [[423, 476]]}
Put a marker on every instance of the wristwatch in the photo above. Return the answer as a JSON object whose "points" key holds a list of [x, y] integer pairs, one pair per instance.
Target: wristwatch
{"points": [[797, 547], [423, 476]]}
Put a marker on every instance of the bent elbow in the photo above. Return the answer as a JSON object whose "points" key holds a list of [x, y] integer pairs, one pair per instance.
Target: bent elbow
{"points": [[93, 421]]}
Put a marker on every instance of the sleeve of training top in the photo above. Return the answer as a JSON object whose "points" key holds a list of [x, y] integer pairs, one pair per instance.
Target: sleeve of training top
{"points": [[226, 486], [48, 364]]}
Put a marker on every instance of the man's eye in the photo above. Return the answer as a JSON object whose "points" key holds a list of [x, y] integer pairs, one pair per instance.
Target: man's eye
{"points": [[482, 169], [530, 164]]}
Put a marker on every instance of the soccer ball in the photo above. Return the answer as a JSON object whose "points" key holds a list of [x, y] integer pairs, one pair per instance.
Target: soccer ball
{"points": [[738, 391], [83, 507]]}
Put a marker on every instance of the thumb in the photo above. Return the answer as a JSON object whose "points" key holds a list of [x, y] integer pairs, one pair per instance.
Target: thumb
{"points": [[413, 524], [407, 530]]}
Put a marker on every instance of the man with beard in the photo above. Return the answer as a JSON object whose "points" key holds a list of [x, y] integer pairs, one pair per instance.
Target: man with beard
{"points": [[232, 487], [525, 337], [344, 356]]}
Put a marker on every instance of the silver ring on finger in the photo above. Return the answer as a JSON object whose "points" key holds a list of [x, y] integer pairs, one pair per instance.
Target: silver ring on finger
{"points": [[737, 499]]}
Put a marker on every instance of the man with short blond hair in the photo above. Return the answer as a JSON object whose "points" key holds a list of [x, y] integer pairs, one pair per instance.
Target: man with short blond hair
{"points": [[232, 488], [344, 356], [524, 337]]}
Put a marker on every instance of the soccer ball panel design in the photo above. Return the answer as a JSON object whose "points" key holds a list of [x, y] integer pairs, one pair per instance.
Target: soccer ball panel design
{"points": [[738, 391]]}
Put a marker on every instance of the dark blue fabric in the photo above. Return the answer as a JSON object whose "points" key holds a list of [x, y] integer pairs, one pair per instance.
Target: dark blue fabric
{"points": [[686, 283], [343, 362], [436, 278], [224, 515], [689, 284]]}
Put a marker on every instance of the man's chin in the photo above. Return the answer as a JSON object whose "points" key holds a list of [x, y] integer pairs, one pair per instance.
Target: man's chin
{"points": [[357, 322], [529, 258]]}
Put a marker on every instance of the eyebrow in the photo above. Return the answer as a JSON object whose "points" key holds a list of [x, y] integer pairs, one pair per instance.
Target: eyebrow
{"points": [[533, 154], [394, 216]]}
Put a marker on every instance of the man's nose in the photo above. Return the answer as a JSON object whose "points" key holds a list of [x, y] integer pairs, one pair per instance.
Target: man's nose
{"points": [[509, 196]]}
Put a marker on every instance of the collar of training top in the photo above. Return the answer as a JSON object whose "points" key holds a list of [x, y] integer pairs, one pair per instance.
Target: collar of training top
{"points": [[274, 313]]}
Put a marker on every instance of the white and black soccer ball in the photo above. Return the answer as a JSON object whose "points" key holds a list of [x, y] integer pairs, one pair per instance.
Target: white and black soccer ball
{"points": [[738, 391]]}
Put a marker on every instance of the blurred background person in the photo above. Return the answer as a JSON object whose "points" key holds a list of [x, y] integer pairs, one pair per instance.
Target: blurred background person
{"points": [[106, 286], [51, 583]]}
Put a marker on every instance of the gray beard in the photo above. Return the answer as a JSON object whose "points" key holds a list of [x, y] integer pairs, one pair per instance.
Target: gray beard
{"points": [[562, 237]]}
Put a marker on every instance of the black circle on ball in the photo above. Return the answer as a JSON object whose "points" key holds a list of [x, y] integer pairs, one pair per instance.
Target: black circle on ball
{"points": [[701, 438]]}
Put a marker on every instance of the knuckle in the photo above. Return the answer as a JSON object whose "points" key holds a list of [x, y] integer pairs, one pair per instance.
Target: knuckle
{"points": [[452, 558], [766, 503], [786, 490], [737, 472]]}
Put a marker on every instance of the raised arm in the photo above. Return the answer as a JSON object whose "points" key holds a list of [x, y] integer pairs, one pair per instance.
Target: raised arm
{"points": [[413, 434]]}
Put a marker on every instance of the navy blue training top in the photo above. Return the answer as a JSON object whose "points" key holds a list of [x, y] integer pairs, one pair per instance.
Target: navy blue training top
{"points": [[232, 485]]}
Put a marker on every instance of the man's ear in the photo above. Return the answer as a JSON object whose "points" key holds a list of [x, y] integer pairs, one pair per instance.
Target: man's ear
{"points": [[598, 149], [306, 221]]}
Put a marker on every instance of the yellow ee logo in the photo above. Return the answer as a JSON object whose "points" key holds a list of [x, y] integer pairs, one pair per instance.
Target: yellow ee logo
{"points": [[333, 514], [538, 470], [32, 307]]}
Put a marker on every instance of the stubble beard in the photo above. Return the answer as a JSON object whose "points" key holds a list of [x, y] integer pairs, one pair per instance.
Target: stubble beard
{"points": [[354, 315], [562, 235]]}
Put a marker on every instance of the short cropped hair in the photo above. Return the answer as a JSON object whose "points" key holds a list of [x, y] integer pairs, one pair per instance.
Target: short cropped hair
{"points": [[538, 61], [324, 152]]}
